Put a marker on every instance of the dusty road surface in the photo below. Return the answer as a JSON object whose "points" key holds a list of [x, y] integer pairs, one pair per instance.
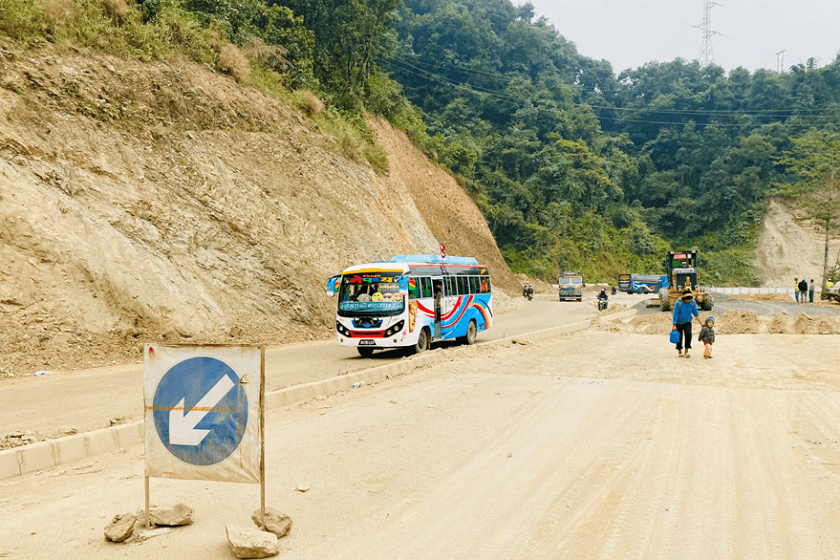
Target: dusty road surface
{"points": [[599, 445], [87, 399]]}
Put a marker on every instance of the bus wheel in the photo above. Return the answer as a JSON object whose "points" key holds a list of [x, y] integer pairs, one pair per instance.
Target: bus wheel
{"points": [[469, 338], [422, 343], [365, 351]]}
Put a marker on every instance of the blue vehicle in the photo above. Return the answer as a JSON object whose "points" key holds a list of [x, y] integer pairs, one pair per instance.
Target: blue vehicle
{"points": [[646, 283]]}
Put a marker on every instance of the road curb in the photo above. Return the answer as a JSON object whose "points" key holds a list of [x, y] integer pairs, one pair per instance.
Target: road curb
{"points": [[44, 455]]}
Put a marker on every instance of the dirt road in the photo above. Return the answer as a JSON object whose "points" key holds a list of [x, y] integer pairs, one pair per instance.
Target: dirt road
{"points": [[88, 399], [593, 446]]}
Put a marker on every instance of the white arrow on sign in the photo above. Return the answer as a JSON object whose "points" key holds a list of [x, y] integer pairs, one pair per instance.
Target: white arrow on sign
{"points": [[182, 424]]}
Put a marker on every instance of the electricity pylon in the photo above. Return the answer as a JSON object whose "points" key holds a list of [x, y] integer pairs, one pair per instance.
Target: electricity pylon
{"points": [[707, 55]]}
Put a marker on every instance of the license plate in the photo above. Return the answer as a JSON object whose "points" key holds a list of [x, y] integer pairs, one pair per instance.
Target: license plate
{"points": [[367, 342]]}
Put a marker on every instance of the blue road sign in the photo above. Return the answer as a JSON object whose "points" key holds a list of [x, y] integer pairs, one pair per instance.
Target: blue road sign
{"points": [[200, 411]]}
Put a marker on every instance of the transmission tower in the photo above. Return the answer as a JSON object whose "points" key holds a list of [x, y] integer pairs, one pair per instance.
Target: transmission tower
{"points": [[780, 62], [707, 55]]}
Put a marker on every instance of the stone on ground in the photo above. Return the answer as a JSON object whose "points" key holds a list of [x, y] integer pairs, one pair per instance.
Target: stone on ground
{"points": [[248, 542], [275, 522], [120, 528]]}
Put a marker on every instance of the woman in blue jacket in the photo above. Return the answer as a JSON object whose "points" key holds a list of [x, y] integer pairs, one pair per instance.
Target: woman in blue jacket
{"points": [[684, 308]]}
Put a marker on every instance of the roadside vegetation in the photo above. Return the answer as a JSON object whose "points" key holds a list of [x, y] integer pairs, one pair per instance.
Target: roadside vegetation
{"points": [[574, 166]]}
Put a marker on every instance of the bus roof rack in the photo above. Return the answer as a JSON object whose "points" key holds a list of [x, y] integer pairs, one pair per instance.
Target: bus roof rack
{"points": [[432, 259]]}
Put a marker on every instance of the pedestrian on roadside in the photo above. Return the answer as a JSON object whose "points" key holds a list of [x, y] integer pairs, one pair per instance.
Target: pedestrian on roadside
{"points": [[796, 288], [707, 336], [803, 291], [811, 287], [684, 308]]}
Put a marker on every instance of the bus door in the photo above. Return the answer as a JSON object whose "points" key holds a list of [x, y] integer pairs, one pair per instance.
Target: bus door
{"points": [[437, 291]]}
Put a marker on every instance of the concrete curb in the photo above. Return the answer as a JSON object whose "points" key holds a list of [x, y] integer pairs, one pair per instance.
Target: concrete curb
{"points": [[45, 455]]}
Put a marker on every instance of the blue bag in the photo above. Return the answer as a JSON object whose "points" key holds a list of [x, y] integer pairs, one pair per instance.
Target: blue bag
{"points": [[675, 337]]}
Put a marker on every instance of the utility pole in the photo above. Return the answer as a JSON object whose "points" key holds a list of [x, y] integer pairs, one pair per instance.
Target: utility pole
{"points": [[707, 55], [780, 62]]}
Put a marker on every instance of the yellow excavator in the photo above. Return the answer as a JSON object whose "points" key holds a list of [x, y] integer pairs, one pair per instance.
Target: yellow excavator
{"points": [[681, 268]]}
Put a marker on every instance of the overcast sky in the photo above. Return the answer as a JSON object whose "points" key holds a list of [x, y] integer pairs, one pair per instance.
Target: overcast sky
{"points": [[748, 33]]}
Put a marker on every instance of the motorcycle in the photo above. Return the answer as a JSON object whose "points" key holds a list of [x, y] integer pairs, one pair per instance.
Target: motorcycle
{"points": [[528, 293], [602, 304]]}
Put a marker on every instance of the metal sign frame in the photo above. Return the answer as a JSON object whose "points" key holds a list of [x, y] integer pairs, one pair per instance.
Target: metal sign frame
{"points": [[149, 348]]}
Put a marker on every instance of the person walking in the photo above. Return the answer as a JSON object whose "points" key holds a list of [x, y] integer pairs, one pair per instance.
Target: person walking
{"points": [[796, 288], [707, 336], [803, 291], [684, 308], [811, 287]]}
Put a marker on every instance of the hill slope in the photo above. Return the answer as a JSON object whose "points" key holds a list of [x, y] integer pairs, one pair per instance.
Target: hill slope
{"points": [[163, 201]]}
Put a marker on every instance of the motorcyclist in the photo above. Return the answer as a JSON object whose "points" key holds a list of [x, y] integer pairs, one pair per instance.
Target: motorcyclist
{"points": [[602, 299]]}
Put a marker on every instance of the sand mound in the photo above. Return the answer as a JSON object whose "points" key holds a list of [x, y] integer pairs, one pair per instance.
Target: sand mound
{"points": [[824, 324], [608, 326], [731, 322], [651, 324], [764, 297], [738, 322], [780, 324]]}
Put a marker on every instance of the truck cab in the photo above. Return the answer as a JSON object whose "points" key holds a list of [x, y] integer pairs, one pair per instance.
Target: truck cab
{"points": [[570, 286]]}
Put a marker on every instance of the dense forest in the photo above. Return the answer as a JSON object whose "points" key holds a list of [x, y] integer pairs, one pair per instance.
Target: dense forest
{"points": [[574, 167]]}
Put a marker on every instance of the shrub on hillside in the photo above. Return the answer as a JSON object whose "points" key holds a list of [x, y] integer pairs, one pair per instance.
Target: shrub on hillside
{"points": [[232, 60]]}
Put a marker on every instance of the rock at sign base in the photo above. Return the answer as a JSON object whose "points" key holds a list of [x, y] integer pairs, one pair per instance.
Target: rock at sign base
{"points": [[168, 516], [275, 522], [120, 528], [248, 542]]}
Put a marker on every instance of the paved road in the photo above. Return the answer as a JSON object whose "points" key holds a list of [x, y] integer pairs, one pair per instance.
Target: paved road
{"points": [[88, 399]]}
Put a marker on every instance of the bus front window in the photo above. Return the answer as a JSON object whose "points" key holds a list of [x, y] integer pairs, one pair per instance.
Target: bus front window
{"points": [[370, 294]]}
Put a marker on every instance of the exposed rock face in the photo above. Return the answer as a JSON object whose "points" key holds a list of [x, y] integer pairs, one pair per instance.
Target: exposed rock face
{"points": [[275, 522], [203, 225], [248, 542], [120, 528]]}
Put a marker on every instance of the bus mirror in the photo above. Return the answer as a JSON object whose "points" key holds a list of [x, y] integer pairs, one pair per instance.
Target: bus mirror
{"points": [[333, 284], [403, 285]]}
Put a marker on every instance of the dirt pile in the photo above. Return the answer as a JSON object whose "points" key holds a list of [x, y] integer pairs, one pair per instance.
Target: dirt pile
{"points": [[731, 322], [764, 297], [163, 201]]}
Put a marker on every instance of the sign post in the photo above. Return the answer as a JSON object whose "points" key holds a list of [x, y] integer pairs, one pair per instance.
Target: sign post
{"points": [[205, 414]]}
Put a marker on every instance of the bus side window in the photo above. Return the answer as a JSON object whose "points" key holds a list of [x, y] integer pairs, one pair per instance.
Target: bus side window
{"points": [[447, 287], [485, 285], [463, 288], [474, 285], [426, 284], [413, 288]]}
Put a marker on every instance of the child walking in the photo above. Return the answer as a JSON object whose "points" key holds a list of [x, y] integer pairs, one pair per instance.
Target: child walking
{"points": [[707, 336]]}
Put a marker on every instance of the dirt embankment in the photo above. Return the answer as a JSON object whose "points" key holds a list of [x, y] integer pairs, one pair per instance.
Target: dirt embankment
{"points": [[164, 201], [790, 246]]}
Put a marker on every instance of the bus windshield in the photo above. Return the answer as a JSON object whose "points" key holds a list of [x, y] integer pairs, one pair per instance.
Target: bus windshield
{"points": [[370, 293]]}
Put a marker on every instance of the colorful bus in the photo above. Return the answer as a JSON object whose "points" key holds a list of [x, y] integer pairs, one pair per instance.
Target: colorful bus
{"points": [[411, 301]]}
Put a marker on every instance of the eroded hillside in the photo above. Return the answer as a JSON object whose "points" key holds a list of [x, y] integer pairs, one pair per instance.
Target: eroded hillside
{"points": [[163, 201]]}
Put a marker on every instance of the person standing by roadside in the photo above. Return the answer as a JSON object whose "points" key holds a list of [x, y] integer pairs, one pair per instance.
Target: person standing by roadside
{"points": [[684, 308], [803, 291], [796, 288], [811, 287]]}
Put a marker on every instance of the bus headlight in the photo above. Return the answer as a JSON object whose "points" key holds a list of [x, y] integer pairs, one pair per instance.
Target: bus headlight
{"points": [[342, 329], [394, 329]]}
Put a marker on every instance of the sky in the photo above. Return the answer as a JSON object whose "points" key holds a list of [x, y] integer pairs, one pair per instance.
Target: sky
{"points": [[748, 33]]}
